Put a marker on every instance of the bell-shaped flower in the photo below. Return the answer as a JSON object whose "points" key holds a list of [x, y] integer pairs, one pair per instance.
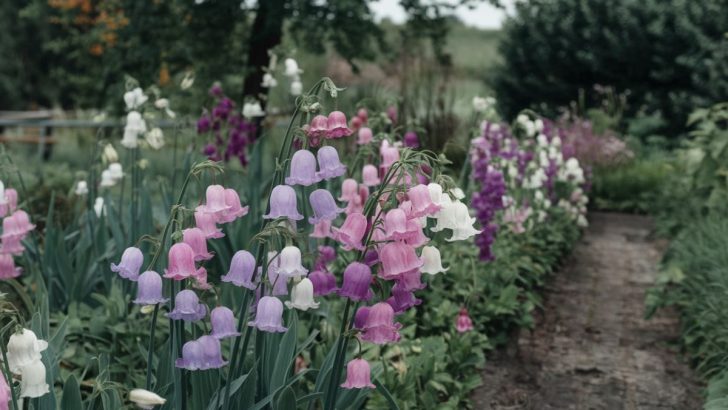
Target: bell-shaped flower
{"points": [[24, 348], [283, 204], [8, 270], [215, 202], [337, 126], [358, 375], [116, 171], [201, 281], [463, 323], [131, 262], [211, 353], [181, 260], [402, 299], [329, 164], [415, 234], [268, 81], [146, 400], [17, 224], [236, 210], [422, 205], [302, 296], [319, 127], [155, 138], [290, 263], [463, 229], [207, 223], [446, 218], [10, 245], [291, 68], [303, 169], [351, 233], [411, 140], [187, 307], [357, 280], [349, 190], [360, 317], [411, 280], [222, 320], [364, 136], [10, 204], [242, 270], [278, 283], [135, 126], [198, 242], [135, 98], [371, 257], [324, 206], [355, 123], [363, 114], [269, 315], [357, 204], [370, 175], [33, 383], [296, 87], [149, 291], [390, 155], [322, 229], [81, 188], [253, 109], [397, 259], [431, 261], [395, 224], [326, 254], [107, 180], [192, 356], [379, 327], [99, 207], [324, 282]]}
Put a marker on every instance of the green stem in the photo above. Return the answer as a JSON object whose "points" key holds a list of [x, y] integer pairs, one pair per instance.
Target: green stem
{"points": [[336, 370], [150, 353], [9, 377]]}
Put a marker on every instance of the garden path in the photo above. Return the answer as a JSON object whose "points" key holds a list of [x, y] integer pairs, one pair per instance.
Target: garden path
{"points": [[591, 348]]}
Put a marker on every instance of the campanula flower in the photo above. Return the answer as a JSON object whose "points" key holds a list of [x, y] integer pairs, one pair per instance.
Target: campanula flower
{"points": [[364, 136], [349, 190], [322, 229], [269, 315], [223, 323], [422, 205], [431, 261], [149, 290], [283, 204], [360, 317], [81, 188], [208, 225], [318, 127], [33, 383], [302, 296], [187, 307], [242, 270], [198, 242], [23, 349], [303, 169], [370, 175], [8, 270], [324, 206], [379, 327], [463, 323], [358, 375], [397, 258], [215, 202], [290, 263], [279, 283], [181, 259], [411, 140], [329, 164], [324, 282], [351, 233], [236, 210], [337, 126], [131, 262], [357, 279], [402, 299], [144, 399]]}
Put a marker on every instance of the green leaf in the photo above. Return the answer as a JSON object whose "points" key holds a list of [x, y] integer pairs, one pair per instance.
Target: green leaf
{"points": [[286, 400], [71, 398]]}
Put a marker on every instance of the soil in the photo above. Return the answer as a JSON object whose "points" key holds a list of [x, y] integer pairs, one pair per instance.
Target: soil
{"points": [[591, 347]]}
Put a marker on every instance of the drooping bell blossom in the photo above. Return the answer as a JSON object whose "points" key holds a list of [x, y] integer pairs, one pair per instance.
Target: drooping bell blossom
{"points": [[364, 136], [463, 323], [380, 327], [198, 242], [207, 223], [390, 155], [135, 98], [463, 223], [24, 348], [397, 258], [351, 233], [236, 210], [192, 356], [446, 216], [81, 189], [292, 69], [436, 196], [324, 282], [10, 245], [253, 109], [269, 315], [402, 299], [329, 164], [33, 383], [395, 224], [268, 81], [149, 290], [303, 169], [134, 127], [146, 400], [392, 114], [358, 375], [242, 270], [357, 279], [349, 190], [211, 352], [357, 204], [278, 283], [319, 127], [411, 281], [201, 281], [17, 224], [116, 171], [422, 205], [11, 201], [326, 254], [290, 263], [371, 257], [8, 270], [324, 206], [99, 206], [322, 229], [131, 262], [222, 320], [187, 307], [360, 317], [411, 140], [370, 175], [363, 114], [5, 393], [355, 123], [181, 263], [214, 202], [431, 261], [283, 203], [337, 126], [302, 296], [415, 235]]}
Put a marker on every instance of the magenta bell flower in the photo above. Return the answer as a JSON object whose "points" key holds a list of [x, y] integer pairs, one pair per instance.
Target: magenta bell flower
{"points": [[324, 206], [283, 203], [319, 127], [422, 205], [326, 254], [360, 317], [7, 267], [303, 169], [329, 164], [337, 126], [198, 242], [223, 323], [463, 323], [371, 257], [236, 210], [215, 201], [17, 225], [357, 279], [182, 263], [324, 282], [411, 281], [402, 299], [370, 175], [352, 232], [242, 270], [395, 224], [187, 307], [397, 259], [411, 140], [149, 291], [379, 327], [269, 315], [322, 229], [358, 375], [131, 262], [11, 245], [365, 136], [208, 224]]}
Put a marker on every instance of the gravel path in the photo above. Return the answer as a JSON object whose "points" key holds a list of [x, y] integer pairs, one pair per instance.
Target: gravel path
{"points": [[591, 347]]}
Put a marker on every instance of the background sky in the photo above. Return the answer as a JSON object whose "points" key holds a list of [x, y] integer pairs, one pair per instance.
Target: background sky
{"points": [[483, 16]]}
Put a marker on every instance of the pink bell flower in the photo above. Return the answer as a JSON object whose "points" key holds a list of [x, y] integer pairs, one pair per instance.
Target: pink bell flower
{"points": [[357, 280], [463, 323], [337, 127], [379, 327], [181, 261], [351, 233], [397, 259], [358, 375], [208, 225], [322, 229], [319, 127], [17, 224], [10, 204], [8, 270], [236, 210], [349, 190], [198, 242], [364, 136], [395, 224], [422, 205], [215, 202], [370, 175], [10, 245]]}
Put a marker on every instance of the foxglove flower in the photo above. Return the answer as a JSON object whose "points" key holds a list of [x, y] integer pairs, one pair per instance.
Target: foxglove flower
{"points": [[329, 164], [397, 259], [269, 315], [208, 225], [352, 231], [149, 290], [431, 261], [358, 375], [337, 126], [33, 383], [8, 270], [145, 400], [357, 279], [379, 327], [283, 204], [322, 229], [187, 307], [463, 323], [24, 348], [223, 323], [198, 242], [242, 270], [181, 259], [236, 210], [402, 299], [324, 282], [131, 262], [290, 263], [370, 176], [364, 136], [302, 296], [324, 206], [303, 169]]}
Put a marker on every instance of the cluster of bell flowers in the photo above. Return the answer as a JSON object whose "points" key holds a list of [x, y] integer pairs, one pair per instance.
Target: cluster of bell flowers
{"points": [[136, 125], [24, 352], [291, 71], [16, 226]]}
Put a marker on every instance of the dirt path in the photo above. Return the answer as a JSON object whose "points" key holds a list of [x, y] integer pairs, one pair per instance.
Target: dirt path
{"points": [[591, 347]]}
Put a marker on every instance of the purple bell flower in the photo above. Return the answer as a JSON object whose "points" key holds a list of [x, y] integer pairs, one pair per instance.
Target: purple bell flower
{"points": [[223, 323], [131, 262], [360, 317], [192, 356], [269, 315], [149, 291], [326, 254], [283, 204], [324, 206], [402, 299], [242, 270], [411, 140], [324, 282], [211, 353], [279, 285], [357, 278], [329, 164], [187, 307], [303, 169]]}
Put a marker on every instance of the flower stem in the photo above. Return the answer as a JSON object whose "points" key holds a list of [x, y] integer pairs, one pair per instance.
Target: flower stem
{"points": [[150, 353]]}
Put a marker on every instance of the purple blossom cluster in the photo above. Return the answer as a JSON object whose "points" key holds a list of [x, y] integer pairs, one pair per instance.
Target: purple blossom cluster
{"points": [[231, 132]]}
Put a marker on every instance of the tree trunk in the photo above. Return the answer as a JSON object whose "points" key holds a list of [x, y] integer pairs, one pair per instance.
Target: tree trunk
{"points": [[266, 33]]}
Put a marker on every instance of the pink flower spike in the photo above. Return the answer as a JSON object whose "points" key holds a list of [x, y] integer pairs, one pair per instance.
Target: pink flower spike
{"points": [[358, 375], [337, 127], [206, 223], [181, 263], [198, 242]]}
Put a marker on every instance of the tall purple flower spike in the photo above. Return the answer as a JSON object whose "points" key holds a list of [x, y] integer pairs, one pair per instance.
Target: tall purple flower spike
{"points": [[187, 307], [329, 164], [283, 204], [324, 206], [303, 169]]}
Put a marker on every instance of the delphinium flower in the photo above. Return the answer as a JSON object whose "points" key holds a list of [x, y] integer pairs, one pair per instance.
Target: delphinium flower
{"points": [[131, 262], [358, 375], [486, 202]]}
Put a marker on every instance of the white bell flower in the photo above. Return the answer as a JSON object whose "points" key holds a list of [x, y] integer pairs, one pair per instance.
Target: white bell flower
{"points": [[302, 296]]}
